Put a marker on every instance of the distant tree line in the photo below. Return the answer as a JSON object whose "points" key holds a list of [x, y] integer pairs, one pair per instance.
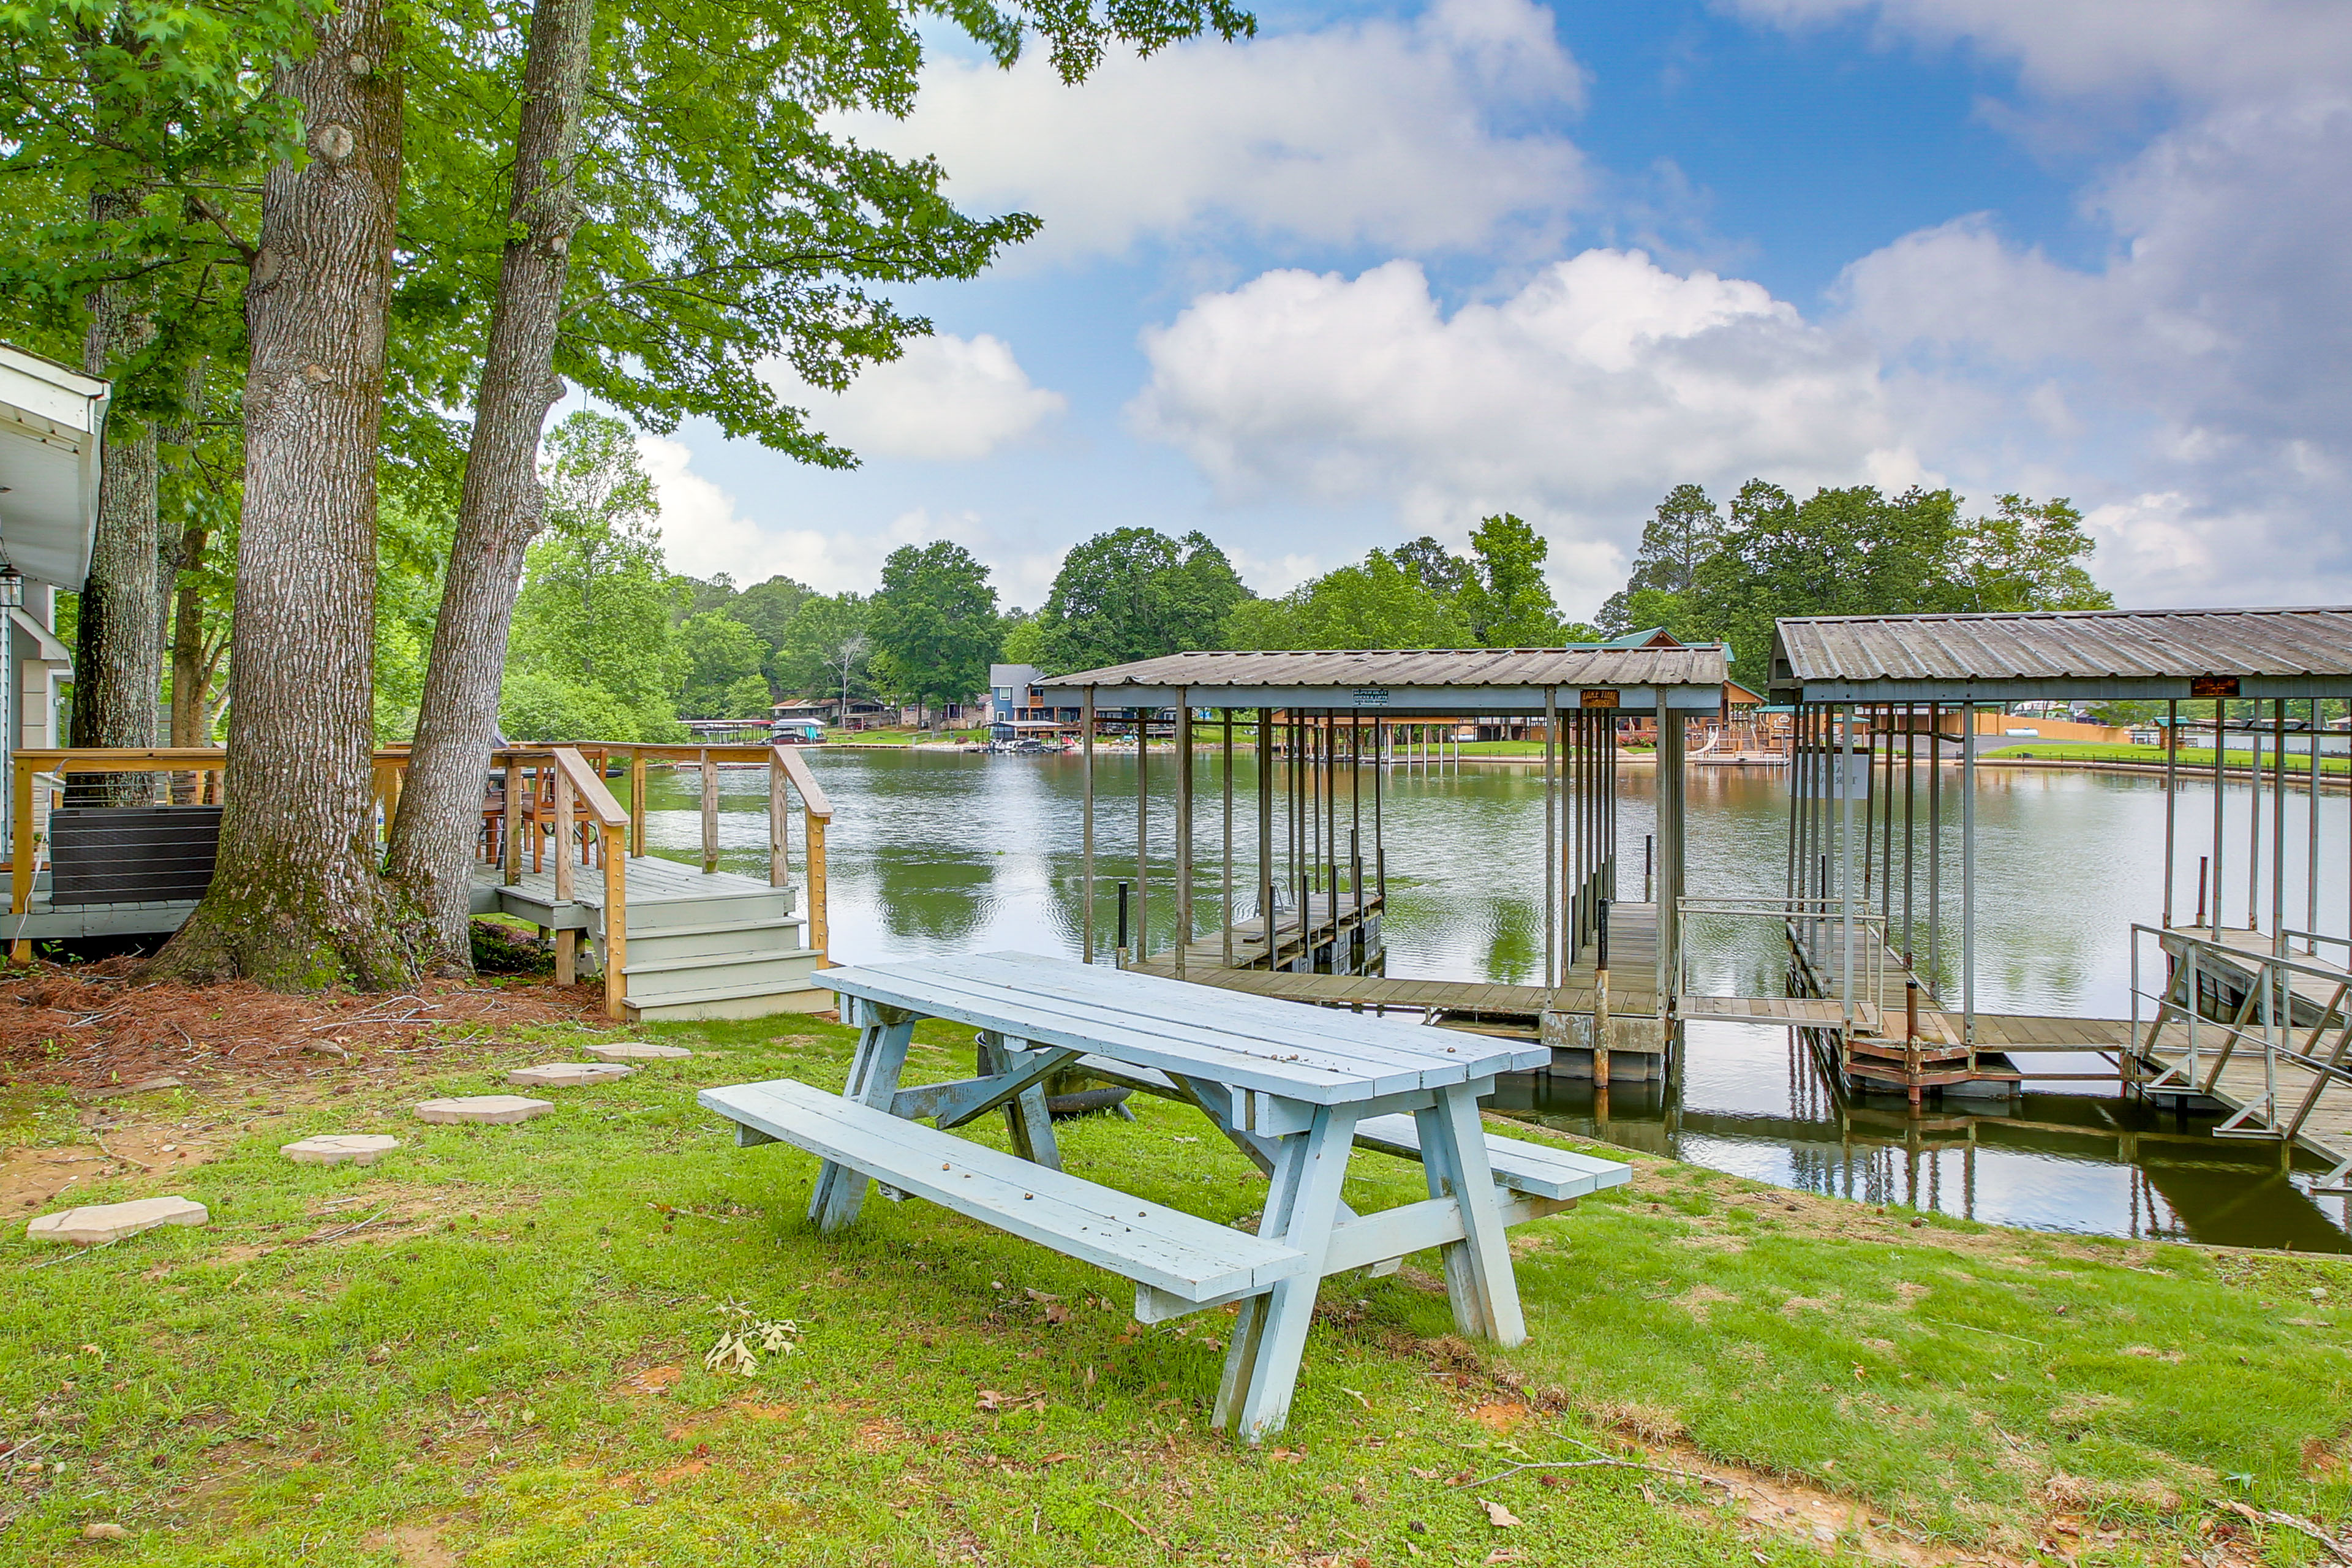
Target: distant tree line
{"points": [[1703, 573], [1707, 574]]}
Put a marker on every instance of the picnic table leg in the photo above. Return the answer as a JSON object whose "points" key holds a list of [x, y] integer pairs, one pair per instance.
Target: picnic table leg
{"points": [[1205, 1098], [874, 1072], [1270, 1332], [1027, 1122], [1478, 1279]]}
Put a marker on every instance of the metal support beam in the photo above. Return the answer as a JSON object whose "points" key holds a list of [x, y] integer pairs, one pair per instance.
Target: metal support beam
{"points": [[1086, 823]]}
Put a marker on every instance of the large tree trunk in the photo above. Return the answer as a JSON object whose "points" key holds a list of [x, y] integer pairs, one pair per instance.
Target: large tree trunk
{"points": [[191, 671], [118, 666], [433, 840], [297, 901]]}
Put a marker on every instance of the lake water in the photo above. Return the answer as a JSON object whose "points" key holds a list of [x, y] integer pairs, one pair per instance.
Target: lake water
{"points": [[940, 852]]}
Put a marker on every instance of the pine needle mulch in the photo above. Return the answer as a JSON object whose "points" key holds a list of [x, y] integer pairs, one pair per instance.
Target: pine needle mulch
{"points": [[99, 1027]]}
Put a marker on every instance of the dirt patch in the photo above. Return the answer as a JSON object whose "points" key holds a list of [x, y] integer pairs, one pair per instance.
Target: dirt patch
{"points": [[1711, 1241], [649, 1382], [33, 1177], [99, 1031], [1701, 1297], [1501, 1416], [367, 1216], [414, 1546]]}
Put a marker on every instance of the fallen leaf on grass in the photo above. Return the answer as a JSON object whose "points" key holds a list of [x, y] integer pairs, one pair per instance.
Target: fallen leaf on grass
{"points": [[1497, 1515], [1285, 1456], [1506, 1554], [740, 1348]]}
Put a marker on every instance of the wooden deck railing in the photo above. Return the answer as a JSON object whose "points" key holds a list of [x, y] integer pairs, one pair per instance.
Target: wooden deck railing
{"points": [[568, 779], [580, 787], [786, 763]]}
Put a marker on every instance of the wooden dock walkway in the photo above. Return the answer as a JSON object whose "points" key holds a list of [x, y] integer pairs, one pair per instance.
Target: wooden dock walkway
{"points": [[1329, 919], [2300, 1094], [1562, 1015]]}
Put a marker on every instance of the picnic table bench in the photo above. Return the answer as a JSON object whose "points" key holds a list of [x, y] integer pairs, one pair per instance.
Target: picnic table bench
{"points": [[1296, 1088]]}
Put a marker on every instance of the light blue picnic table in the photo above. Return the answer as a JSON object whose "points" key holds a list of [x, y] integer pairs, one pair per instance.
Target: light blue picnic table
{"points": [[1296, 1089]]}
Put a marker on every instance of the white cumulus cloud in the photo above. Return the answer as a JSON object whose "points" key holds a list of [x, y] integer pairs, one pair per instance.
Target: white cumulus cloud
{"points": [[2200, 50], [705, 532], [946, 398], [2193, 377], [1576, 401], [1388, 133]]}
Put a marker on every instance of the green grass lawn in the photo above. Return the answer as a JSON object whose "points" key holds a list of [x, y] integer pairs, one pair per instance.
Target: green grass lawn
{"points": [[1526, 749], [2297, 766], [489, 1349], [904, 737]]}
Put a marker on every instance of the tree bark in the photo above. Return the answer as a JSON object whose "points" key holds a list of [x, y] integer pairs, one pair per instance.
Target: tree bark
{"points": [[296, 900], [118, 664], [190, 672], [433, 836]]}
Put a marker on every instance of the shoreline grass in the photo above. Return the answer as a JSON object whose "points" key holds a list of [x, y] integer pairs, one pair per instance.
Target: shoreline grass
{"points": [[2298, 764], [487, 1348]]}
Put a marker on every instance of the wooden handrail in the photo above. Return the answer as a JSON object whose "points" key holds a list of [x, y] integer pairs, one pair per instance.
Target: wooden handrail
{"points": [[124, 760], [590, 788], [813, 800], [579, 784]]}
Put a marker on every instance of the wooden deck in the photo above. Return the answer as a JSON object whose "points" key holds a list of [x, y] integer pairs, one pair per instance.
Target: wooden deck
{"points": [[1329, 918], [1632, 976], [1562, 1015], [652, 881]]}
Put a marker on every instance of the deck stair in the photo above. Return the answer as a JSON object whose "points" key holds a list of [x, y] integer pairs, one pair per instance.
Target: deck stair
{"points": [[700, 944], [721, 954]]}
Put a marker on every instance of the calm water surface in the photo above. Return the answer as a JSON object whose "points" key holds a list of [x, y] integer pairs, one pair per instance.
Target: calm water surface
{"points": [[940, 852]]}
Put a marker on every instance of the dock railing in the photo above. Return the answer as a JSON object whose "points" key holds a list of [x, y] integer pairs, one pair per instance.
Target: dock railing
{"points": [[2288, 1025], [1818, 929]]}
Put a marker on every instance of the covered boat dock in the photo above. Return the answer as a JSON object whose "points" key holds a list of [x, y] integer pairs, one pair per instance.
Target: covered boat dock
{"points": [[1288, 897], [2237, 998]]}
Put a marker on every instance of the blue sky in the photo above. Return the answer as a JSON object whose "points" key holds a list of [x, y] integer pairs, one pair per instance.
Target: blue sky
{"points": [[1384, 271]]}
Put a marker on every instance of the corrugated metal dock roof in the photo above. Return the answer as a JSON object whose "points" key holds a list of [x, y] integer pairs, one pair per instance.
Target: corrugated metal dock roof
{"points": [[1700, 665], [2124, 653], [1403, 681]]}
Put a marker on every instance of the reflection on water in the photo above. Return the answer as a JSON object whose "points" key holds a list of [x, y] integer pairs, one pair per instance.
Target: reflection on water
{"points": [[1747, 1100], [939, 852]]}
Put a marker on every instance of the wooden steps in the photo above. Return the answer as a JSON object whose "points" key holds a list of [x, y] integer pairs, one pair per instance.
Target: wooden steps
{"points": [[700, 946]]}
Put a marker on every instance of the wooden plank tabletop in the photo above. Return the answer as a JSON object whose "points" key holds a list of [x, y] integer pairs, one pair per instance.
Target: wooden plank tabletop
{"points": [[1248, 1042]]}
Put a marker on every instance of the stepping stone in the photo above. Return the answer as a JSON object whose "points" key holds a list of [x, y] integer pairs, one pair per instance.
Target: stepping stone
{"points": [[501, 1107], [97, 1223], [556, 1075], [339, 1149], [636, 1051]]}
